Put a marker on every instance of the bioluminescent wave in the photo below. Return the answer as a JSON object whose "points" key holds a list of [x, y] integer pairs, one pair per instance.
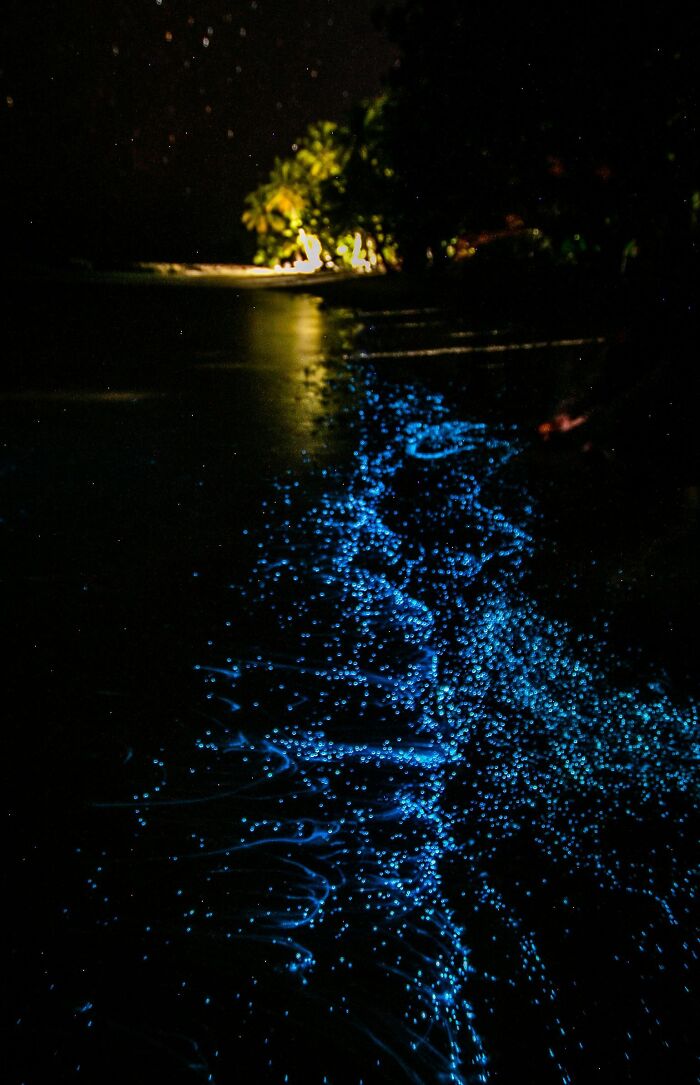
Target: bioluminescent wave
{"points": [[393, 715]]}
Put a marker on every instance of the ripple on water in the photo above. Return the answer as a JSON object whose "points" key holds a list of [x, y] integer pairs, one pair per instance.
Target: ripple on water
{"points": [[404, 747]]}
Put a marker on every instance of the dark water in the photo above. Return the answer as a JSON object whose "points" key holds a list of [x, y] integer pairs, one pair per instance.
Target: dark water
{"points": [[332, 757]]}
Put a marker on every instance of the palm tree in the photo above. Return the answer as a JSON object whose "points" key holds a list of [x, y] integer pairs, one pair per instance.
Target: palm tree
{"points": [[257, 215], [323, 150], [286, 193]]}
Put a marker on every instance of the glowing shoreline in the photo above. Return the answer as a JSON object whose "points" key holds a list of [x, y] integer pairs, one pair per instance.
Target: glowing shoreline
{"points": [[391, 716], [232, 271]]}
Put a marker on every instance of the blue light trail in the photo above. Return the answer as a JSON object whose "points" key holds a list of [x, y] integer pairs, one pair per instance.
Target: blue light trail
{"points": [[403, 709]]}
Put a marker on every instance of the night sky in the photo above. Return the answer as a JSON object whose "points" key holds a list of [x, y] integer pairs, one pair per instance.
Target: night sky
{"points": [[136, 127]]}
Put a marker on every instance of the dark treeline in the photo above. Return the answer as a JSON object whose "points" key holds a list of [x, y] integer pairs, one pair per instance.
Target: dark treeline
{"points": [[570, 135], [579, 121]]}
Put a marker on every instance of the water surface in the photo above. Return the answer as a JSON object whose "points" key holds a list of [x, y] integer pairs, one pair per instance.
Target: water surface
{"points": [[317, 773]]}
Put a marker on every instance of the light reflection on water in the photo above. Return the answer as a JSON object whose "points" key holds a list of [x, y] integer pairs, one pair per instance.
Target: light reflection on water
{"points": [[283, 346], [389, 709]]}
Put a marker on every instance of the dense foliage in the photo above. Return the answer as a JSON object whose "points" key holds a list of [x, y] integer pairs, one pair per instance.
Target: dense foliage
{"points": [[324, 206], [574, 136]]}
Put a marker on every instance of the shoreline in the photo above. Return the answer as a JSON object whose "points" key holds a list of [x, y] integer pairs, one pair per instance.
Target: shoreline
{"points": [[525, 295], [223, 276]]}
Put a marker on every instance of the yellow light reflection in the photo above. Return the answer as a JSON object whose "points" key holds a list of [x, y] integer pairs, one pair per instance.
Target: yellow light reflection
{"points": [[286, 349]]}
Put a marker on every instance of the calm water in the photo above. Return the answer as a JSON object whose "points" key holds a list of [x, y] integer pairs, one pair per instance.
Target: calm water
{"points": [[330, 757]]}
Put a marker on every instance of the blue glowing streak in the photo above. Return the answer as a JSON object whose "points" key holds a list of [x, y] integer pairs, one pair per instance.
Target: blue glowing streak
{"points": [[411, 650]]}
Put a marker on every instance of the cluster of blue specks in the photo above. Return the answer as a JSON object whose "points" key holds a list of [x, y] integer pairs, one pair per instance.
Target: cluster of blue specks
{"points": [[388, 706]]}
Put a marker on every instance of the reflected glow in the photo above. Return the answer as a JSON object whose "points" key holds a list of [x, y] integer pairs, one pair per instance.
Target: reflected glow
{"points": [[177, 271], [285, 347], [485, 348], [391, 716]]}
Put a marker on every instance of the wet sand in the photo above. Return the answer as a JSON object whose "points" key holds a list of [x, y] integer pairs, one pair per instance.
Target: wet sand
{"points": [[352, 730]]}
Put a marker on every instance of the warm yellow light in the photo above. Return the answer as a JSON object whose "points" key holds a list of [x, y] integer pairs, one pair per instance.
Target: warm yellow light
{"points": [[357, 260], [312, 247]]}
